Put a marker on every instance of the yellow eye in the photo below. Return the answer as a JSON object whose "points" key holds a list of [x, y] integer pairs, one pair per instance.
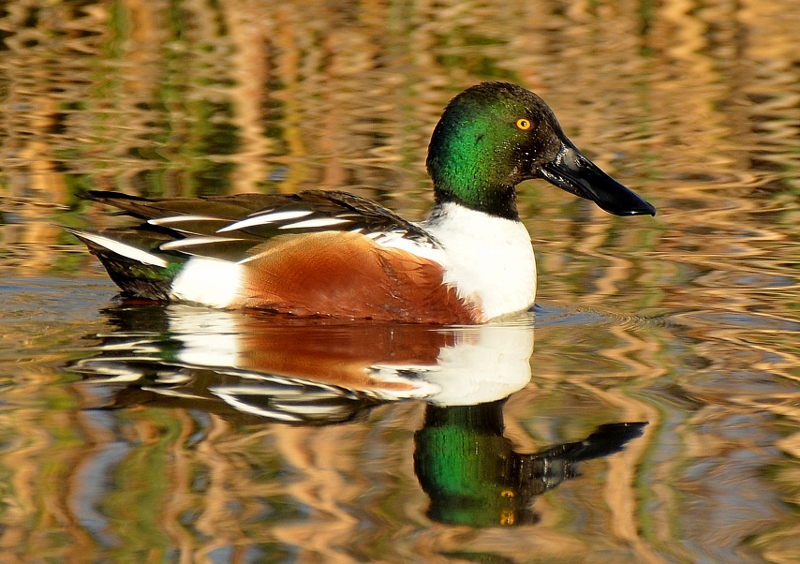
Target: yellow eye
{"points": [[524, 124]]}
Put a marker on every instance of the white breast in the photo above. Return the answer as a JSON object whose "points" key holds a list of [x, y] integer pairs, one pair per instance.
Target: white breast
{"points": [[487, 257]]}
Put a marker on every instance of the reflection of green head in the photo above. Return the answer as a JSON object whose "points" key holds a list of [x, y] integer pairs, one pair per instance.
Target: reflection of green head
{"points": [[473, 476], [466, 466], [487, 141]]}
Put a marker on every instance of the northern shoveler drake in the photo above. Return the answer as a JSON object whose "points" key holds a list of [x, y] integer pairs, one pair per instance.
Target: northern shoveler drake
{"points": [[325, 253]]}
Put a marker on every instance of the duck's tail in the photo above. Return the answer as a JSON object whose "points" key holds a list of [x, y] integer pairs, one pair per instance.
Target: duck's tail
{"points": [[134, 264]]}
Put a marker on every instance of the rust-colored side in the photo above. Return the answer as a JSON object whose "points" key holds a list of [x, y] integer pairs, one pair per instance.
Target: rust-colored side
{"points": [[343, 274]]}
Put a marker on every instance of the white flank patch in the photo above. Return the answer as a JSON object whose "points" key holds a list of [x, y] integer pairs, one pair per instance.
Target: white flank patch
{"points": [[208, 281], [319, 222], [193, 241], [488, 258], [265, 219], [180, 219], [124, 250]]}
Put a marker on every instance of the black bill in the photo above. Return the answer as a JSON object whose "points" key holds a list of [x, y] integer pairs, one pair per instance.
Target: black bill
{"points": [[573, 172]]}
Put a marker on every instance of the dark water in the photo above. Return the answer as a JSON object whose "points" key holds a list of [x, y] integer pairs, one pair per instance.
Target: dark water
{"points": [[134, 432]]}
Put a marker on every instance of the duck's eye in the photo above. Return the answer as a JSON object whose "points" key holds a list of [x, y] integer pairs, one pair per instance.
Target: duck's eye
{"points": [[524, 124]]}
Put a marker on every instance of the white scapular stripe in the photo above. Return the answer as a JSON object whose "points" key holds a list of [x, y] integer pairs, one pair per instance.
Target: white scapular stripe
{"points": [[319, 222], [396, 240], [193, 241], [124, 250], [180, 219], [265, 218]]}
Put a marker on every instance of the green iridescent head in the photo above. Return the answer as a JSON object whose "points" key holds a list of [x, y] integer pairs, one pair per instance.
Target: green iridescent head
{"points": [[494, 135]]}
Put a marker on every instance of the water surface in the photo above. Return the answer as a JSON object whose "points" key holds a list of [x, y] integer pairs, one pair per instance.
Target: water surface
{"points": [[134, 432]]}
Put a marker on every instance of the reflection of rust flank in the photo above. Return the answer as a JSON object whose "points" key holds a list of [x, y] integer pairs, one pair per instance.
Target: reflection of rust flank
{"points": [[341, 358]]}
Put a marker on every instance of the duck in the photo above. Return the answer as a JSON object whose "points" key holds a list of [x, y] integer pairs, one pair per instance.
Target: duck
{"points": [[321, 253]]}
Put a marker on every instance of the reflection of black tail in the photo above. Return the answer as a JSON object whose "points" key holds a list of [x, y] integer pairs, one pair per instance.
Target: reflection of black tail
{"points": [[607, 439]]}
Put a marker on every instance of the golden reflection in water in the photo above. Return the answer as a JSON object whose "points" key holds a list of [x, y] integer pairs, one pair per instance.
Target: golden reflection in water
{"points": [[144, 481], [694, 106]]}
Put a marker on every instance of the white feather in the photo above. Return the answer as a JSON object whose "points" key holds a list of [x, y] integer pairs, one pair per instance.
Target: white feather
{"points": [[486, 363], [319, 222], [180, 219], [209, 337], [192, 241], [232, 400], [395, 240], [265, 219], [124, 250]]}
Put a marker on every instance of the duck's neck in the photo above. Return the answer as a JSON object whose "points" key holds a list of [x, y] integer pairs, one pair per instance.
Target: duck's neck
{"points": [[498, 201]]}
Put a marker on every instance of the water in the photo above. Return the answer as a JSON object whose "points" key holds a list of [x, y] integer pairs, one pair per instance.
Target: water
{"points": [[134, 432]]}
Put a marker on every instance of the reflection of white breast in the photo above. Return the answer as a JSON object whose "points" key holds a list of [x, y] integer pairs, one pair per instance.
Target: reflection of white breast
{"points": [[489, 258], [491, 363], [486, 363]]}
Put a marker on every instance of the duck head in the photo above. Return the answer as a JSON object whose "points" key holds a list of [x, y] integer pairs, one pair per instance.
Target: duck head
{"points": [[494, 135]]}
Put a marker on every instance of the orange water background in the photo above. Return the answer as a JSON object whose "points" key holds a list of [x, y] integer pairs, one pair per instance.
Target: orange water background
{"points": [[690, 319]]}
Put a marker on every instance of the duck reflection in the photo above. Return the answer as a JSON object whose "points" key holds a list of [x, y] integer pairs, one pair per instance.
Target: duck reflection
{"points": [[250, 367], [288, 370]]}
